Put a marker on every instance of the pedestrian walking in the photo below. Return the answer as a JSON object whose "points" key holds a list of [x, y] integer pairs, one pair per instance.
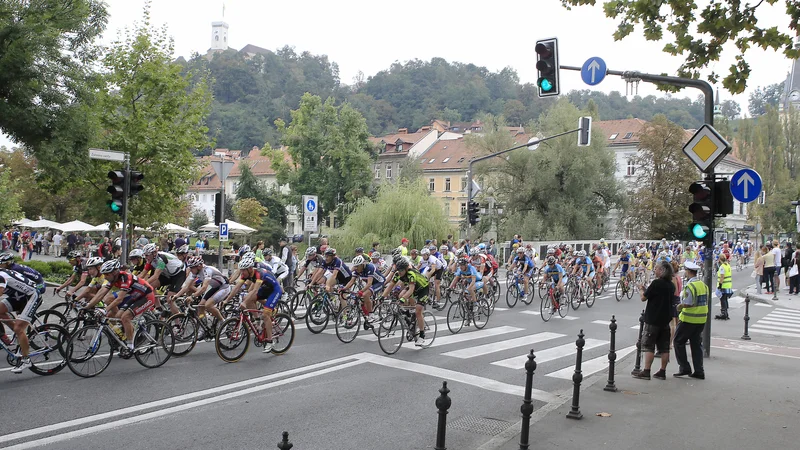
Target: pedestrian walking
{"points": [[657, 317], [758, 270], [776, 250], [794, 273], [693, 311], [769, 268], [786, 261], [725, 286]]}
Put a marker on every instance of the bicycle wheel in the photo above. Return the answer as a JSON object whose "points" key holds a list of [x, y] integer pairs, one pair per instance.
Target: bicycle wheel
{"points": [[52, 316], [282, 307], [563, 307], [348, 323], [185, 329], [455, 317], [512, 295], [317, 316], [542, 291], [299, 305], [589, 294], [282, 333], [391, 334], [496, 286], [619, 291], [629, 292], [430, 328], [546, 308], [66, 309], [153, 343], [230, 336], [480, 315], [48, 349], [575, 297], [89, 350]]}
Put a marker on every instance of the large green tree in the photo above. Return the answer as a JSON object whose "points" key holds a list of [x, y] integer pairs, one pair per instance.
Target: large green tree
{"points": [[47, 52], [702, 32], [764, 96], [250, 187], [9, 201]]}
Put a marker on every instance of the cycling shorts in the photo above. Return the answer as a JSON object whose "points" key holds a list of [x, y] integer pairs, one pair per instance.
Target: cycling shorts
{"points": [[269, 295], [479, 284], [624, 270], [376, 288], [421, 296], [138, 305], [24, 306], [173, 283], [218, 293]]}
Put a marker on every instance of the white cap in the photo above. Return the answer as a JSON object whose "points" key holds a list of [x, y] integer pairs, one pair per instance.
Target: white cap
{"points": [[691, 266]]}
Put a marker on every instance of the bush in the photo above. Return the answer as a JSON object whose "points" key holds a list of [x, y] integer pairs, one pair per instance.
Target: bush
{"points": [[60, 267], [40, 266]]}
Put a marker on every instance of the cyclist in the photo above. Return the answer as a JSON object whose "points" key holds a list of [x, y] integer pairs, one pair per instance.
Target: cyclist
{"points": [[136, 258], [523, 264], [448, 257], [380, 264], [97, 281], [643, 264], [167, 270], [584, 268], [136, 294], [22, 296], [7, 262], [373, 283], [278, 267], [432, 267], [315, 261], [468, 272], [739, 252], [336, 272], [78, 272], [415, 292], [414, 257], [625, 262], [555, 273], [478, 261], [262, 289], [214, 287]]}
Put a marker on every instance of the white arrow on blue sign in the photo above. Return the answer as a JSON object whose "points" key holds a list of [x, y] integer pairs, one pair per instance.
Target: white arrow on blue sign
{"points": [[593, 71], [746, 185]]}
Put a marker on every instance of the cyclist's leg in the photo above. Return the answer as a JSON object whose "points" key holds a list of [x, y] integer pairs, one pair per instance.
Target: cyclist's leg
{"points": [[22, 337], [211, 301], [270, 300]]}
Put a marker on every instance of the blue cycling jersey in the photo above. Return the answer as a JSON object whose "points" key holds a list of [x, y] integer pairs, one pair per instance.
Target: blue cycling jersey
{"points": [[337, 264], [370, 271], [472, 272], [555, 271], [524, 261], [586, 264], [29, 273]]}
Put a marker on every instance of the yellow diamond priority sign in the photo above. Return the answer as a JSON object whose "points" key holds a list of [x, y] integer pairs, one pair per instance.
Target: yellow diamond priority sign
{"points": [[706, 148]]}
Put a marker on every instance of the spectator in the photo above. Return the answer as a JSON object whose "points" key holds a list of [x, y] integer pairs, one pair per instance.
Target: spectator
{"points": [[693, 311], [794, 273], [37, 246], [57, 244], [657, 317], [492, 250], [104, 250], [758, 270], [294, 263], [15, 240], [375, 247], [170, 242], [72, 241], [404, 247], [198, 247], [776, 250], [141, 242], [786, 260], [769, 268], [179, 241], [323, 245], [725, 285], [206, 245]]}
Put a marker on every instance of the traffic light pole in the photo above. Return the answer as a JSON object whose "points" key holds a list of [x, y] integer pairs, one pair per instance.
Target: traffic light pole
{"points": [[482, 158], [126, 191]]}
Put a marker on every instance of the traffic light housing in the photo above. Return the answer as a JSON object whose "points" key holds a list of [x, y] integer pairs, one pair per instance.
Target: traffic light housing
{"points": [[702, 209], [723, 198], [547, 67], [136, 183], [117, 191], [473, 213], [217, 208], [585, 133]]}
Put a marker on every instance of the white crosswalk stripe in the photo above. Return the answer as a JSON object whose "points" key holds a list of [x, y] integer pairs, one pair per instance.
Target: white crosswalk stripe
{"points": [[549, 354], [502, 345], [591, 366], [779, 322]]}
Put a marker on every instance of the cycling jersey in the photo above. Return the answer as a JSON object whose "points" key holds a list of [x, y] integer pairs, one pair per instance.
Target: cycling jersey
{"points": [[419, 280], [586, 264], [213, 274], [278, 267], [22, 294], [555, 272], [344, 272], [471, 272], [433, 262], [523, 261], [269, 288], [317, 261], [167, 263], [370, 271], [138, 295], [625, 261], [79, 268], [28, 273]]}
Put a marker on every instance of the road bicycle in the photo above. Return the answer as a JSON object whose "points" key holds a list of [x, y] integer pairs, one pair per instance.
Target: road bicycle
{"points": [[739, 263], [322, 307], [188, 325], [463, 311], [515, 290], [444, 297], [624, 288], [348, 321], [233, 335], [553, 303], [400, 325], [581, 292], [91, 348], [46, 347]]}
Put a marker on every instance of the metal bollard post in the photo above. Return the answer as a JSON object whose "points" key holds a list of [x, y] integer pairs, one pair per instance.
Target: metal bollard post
{"points": [[577, 377], [638, 366], [284, 444], [442, 404], [527, 405], [746, 336], [612, 356]]}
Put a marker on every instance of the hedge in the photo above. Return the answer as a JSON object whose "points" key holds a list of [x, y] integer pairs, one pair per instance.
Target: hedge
{"points": [[53, 271]]}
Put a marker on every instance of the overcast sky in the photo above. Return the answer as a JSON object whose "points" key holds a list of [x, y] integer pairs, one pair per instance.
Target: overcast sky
{"points": [[369, 35]]}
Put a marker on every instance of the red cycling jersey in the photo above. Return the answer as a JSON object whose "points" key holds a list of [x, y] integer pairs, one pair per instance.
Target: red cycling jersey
{"points": [[133, 285]]}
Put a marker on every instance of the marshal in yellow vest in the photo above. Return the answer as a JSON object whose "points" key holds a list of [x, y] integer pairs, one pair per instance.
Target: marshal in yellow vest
{"points": [[698, 312]]}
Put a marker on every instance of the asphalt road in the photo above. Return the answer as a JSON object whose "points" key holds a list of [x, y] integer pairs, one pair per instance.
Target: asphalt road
{"points": [[328, 395]]}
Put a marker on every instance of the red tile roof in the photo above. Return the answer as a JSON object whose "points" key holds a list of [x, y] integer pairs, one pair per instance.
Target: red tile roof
{"points": [[619, 129]]}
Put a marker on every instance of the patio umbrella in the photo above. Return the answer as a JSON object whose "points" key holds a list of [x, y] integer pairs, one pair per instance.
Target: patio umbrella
{"points": [[43, 223], [75, 225]]}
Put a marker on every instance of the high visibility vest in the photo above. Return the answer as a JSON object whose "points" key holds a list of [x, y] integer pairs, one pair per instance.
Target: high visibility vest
{"points": [[698, 312], [726, 270]]}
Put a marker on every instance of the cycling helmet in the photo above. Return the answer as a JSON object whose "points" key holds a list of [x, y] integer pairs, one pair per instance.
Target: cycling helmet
{"points": [[481, 246], [551, 260], [247, 263], [520, 250], [515, 245], [397, 251], [402, 264], [358, 260], [135, 253], [244, 249], [425, 252], [149, 249], [74, 254], [6, 257], [462, 261], [249, 255], [194, 261], [359, 250], [375, 255], [582, 253], [311, 251], [110, 266], [330, 251], [414, 251], [94, 261], [432, 249], [444, 248], [182, 250], [397, 258], [551, 251], [460, 252], [267, 252]]}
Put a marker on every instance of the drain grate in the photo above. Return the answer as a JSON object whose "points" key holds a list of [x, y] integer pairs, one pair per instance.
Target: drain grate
{"points": [[480, 425]]}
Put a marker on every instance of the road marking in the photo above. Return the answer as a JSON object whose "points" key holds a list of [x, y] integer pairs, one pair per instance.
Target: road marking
{"points": [[763, 305], [772, 321], [460, 377], [533, 313], [368, 335], [497, 308], [171, 410], [550, 354], [783, 316], [784, 310], [480, 334], [592, 366], [779, 331], [493, 347], [635, 327]]}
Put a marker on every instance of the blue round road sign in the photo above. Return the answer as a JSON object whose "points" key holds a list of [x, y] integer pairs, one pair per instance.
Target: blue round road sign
{"points": [[311, 206], [746, 185], [593, 71]]}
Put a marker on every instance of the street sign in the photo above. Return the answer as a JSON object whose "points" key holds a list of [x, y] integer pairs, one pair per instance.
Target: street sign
{"points": [[746, 185], [222, 168], [223, 232], [475, 190], [534, 142], [106, 155], [593, 71], [706, 148], [310, 207], [762, 199]]}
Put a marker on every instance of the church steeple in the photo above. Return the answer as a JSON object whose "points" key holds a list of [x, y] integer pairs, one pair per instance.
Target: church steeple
{"points": [[791, 88], [219, 33]]}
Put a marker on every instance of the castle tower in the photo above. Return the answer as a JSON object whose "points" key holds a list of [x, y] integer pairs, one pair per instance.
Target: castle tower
{"points": [[219, 36], [791, 89]]}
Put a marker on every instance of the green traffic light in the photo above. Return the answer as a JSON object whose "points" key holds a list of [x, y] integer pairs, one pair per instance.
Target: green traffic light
{"points": [[115, 205], [698, 231], [546, 85]]}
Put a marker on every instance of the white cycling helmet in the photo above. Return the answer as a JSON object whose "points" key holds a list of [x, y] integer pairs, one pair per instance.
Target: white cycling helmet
{"points": [[311, 251], [149, 249], [247, 262], [358, 260], [424, 252], [110, 266], [135, 253], [94, 261]]}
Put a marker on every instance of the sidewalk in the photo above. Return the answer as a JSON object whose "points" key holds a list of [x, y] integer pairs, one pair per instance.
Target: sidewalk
{"points": [[747, 400], [782, 299]]}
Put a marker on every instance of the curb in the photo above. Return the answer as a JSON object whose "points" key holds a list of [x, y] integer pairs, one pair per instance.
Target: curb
{"points": [[766, 299]]}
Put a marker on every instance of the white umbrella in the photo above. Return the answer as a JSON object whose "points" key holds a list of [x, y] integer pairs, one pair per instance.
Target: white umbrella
{"points": [[22, 221], [75, 225], [172, 228], [105, 227], [233, 227], [43, 223]]}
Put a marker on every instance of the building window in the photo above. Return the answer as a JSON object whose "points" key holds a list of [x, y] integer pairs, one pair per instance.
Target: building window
{"points": [[741, 208], [631, 167], [447, 209], [628, 135], [432, 160], [463, 184], [235, 186], [463, 209], [613, 136], [399, 147], [446, 159], [377, 171], [388, 171], [431, 185], [447, 184]]}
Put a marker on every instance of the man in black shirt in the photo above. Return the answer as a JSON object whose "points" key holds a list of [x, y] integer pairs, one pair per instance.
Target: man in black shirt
{"points": [[657, 316]]}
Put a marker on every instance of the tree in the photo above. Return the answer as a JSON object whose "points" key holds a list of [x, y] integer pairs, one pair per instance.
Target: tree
{"points": [[657, 206], [399, 210], [248, 211], [9, 201], [46, 62], [250, 187], [764, 96], [331, 156], [198, 219], [701, 35], [730, 109], [791, 137]]}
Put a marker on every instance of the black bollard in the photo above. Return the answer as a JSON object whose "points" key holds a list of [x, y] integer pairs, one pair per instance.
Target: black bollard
{"points": [[284, 444], [527, 405], [442, 404], [577, 377], [746, 336], [612, 356], [638, 366]]}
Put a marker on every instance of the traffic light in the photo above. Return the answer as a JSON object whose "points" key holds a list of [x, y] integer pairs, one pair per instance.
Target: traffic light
{"points": [[585, 133], [702, 209], [136, 183], [547, 66], [473, 212], [217, 208], [117, 191], [723, 198]]}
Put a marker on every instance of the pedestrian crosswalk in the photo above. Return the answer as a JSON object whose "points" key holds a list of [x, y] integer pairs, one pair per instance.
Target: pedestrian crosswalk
{"points": [[779, 322]]}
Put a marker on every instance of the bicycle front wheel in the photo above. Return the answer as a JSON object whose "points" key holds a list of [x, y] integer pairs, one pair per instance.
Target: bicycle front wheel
{"points": [[629, 292], [282, 333], [89, 350], [48, 349], [185, 330], [589, 294], [430, 328], [455, 317], [348, 323], [233, 339], [546, 308], [299, 305], [619, 291], [512, 295], [481, 313], [542, 291], [154, 343], [391, 334], [317, 316]]}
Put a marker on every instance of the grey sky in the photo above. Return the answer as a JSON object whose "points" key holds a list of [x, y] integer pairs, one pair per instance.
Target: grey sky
{"points": [[368, 35]]}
